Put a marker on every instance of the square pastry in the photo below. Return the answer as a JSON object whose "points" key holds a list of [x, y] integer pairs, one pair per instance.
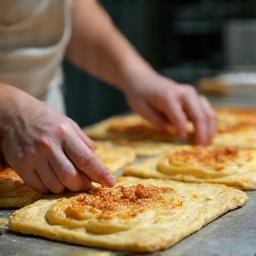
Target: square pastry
{"points": [[14, 193], [141, 215], [131, 127], [224, 165]]}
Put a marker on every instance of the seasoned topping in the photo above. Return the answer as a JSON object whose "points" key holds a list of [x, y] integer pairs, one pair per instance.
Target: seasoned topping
{"points": [[122, 202], [242, 113], [216, 158], [236, 128], [235, 119], [110, 210]]}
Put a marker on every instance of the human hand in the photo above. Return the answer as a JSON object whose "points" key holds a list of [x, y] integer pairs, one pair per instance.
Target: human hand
{"points": [[47, 149], [166, 103]]}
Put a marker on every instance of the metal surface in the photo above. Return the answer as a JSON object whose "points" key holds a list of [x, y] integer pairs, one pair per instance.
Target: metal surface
{"points": [[232, 234]]}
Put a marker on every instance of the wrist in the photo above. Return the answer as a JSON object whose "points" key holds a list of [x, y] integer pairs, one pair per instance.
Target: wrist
{"points": [[9, 105], [134, 74]]}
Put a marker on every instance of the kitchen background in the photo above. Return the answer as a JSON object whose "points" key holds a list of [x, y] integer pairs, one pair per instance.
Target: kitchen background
{"points": [[185, 40]]}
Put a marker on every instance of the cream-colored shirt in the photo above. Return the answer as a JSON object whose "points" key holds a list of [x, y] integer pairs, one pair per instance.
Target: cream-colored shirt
{"points": [[33, 38]]}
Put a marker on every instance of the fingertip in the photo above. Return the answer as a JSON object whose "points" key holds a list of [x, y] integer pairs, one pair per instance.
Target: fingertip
{"points": [[201, 140], [182, 133], [87, 183], [109, 179]]}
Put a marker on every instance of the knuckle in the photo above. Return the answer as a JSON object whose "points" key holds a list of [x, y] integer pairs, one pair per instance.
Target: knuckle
{"points": [[24, 155], [190, 89], [85, 160], [201, 118], [20, 156], [170, 94], [62, 129], [45, 142], [67, 174], [30, 151]]}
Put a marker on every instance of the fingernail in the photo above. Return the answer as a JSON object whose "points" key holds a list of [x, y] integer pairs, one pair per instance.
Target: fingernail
{"points": [[111, 179]]}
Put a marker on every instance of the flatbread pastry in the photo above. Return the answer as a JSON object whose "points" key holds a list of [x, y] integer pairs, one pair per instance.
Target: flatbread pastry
{"points": [[14, 193], [145, 148], [231, 117], [236, 127], [224, 165], [114, 156], [140, 215], [130, 127], [239, 135]]}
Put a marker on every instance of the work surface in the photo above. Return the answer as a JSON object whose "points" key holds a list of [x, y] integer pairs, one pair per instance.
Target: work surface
{"points": [[234, 234]]}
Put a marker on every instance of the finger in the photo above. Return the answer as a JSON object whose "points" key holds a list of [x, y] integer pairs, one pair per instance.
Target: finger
{"points": [[173, 110], [152, 115], [86, 179], [67, 173], [31, 178], [196, 114], [83, 136], [211, 117], [87, 161], [49, 178]]}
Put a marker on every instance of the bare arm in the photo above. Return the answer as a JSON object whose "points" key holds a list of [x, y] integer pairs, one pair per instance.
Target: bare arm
{"points": [[98, 47]]}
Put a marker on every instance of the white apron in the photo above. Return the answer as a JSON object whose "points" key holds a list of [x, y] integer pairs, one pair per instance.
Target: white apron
{"points": [[33, 38]]}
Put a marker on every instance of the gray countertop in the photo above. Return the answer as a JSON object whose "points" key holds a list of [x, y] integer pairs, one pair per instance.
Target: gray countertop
{"points": [[234, 234]]}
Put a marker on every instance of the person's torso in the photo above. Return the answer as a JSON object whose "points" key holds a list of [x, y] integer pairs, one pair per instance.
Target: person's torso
{"points": [[33, 38]]}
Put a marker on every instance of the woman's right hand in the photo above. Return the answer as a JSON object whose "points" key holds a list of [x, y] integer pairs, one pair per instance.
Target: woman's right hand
{"points": [[47, 149]]}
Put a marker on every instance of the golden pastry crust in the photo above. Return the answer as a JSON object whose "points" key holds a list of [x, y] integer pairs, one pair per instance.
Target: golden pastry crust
{"points": [[142, 215], [146, 148], [231, 118], [130, 127], [239, 135], [242, 114], [231, 166], [114, 156], [236, 127], [14, 193]]}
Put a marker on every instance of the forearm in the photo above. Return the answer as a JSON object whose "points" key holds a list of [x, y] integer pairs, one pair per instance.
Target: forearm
{"points": [[7, 108], [99, 48]]}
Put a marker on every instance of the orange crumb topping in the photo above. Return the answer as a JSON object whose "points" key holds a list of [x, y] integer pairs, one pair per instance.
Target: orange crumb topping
{"points": [[121, 202], [237, 128], [217, 158]]}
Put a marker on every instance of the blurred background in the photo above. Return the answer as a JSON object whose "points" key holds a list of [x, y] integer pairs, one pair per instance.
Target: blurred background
{"points": [[186, 40]]}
